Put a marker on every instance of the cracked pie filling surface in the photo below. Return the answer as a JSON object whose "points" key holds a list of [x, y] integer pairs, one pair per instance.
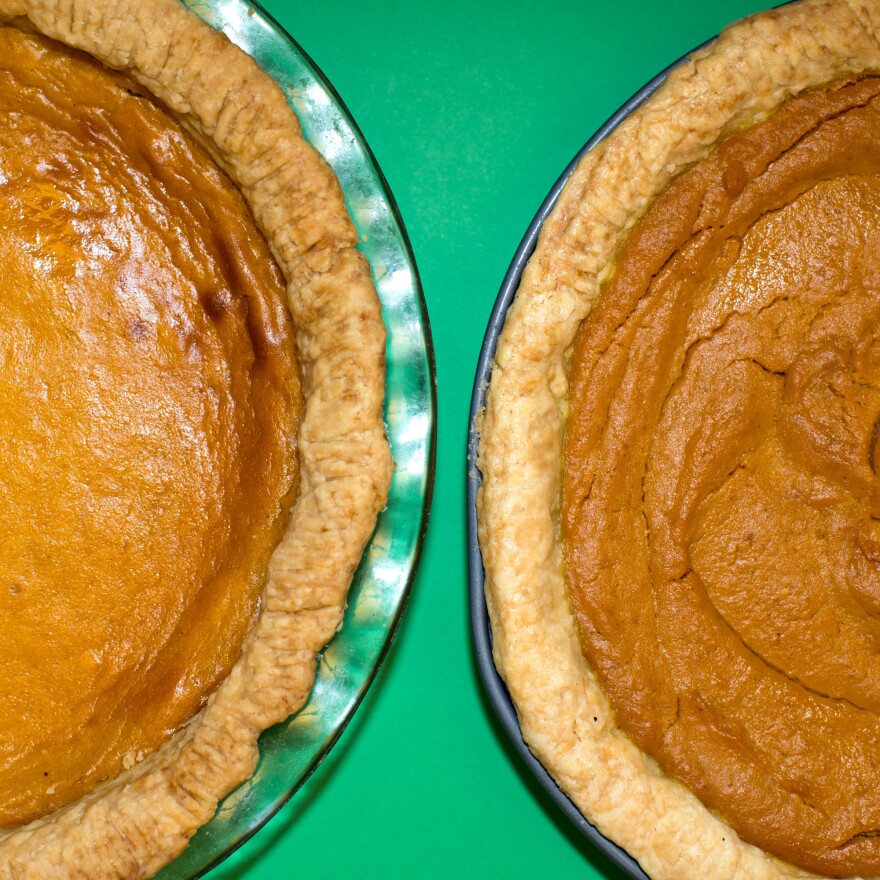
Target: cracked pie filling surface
{"points": [[721, 507], [705, 305]]}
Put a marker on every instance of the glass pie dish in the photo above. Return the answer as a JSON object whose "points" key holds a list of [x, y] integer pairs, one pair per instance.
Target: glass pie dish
{"points": [[290, 752]]}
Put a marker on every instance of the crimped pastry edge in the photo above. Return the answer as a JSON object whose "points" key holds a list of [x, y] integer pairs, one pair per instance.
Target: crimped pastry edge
{"points": [[132, 826], [565, 719]]}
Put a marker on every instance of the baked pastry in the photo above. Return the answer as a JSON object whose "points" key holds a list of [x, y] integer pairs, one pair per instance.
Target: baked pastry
{"points": [[678, 516], [191, 409]]}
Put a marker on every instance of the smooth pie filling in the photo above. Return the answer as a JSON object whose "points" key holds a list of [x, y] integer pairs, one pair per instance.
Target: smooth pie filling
{"points": [[721, 498], [149, 403]]}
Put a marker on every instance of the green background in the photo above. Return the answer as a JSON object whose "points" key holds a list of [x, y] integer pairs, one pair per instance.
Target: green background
{"points": [[472, 110]]}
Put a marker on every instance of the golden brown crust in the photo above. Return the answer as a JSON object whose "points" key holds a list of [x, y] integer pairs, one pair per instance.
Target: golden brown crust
{"points": [[566, 720], [135, 824]]}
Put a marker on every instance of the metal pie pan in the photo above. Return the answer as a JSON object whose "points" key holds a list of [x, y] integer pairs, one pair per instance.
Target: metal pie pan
{"points": [[480, 628]]}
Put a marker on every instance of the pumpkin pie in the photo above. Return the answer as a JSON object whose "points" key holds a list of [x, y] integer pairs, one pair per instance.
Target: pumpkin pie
{"points": [[190, 424], [680, 509]]}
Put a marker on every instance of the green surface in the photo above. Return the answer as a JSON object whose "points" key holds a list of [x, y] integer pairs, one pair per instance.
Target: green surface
{"points": [[472, 110]]}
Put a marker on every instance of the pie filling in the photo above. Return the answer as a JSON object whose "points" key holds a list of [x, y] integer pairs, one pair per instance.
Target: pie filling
{"points": [[149, 403], [721, 500]]}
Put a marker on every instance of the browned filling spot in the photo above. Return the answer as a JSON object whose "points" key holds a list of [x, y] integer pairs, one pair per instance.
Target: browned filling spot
{"points": [[721, 495], [149, 403]]}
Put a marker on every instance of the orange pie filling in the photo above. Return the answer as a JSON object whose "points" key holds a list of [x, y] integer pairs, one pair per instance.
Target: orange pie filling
{"points": [[721, 500], [149, 403]]}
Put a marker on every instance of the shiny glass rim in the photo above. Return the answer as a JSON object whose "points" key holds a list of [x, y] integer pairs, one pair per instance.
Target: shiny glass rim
{"points": [[290, 752]]}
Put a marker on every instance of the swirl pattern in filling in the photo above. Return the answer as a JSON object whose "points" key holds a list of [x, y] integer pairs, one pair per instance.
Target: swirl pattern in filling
{"points": [[721, 500]]}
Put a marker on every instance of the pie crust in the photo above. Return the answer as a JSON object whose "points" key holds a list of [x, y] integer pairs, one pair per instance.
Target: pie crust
{"points": [[134, 824], [565, 718]]}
